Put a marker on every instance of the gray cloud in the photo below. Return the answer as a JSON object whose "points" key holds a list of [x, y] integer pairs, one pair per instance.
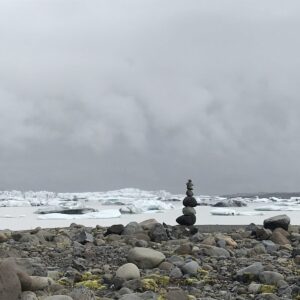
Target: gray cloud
{"points": [[103, 95]]}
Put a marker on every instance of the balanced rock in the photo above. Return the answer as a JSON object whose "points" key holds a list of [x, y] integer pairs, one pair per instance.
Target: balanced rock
{"points": [[190, 201], [145, 258], [282, 221], [186, 220], [187, 211]]}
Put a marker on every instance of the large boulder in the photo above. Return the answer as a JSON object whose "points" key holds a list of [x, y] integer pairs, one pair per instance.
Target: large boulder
{"points": [[10, 285], [279, 236], [282, 221], [145, 258]]}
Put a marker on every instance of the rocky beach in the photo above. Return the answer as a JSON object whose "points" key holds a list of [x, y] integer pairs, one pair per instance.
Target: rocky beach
{"points": [[152, 260]]}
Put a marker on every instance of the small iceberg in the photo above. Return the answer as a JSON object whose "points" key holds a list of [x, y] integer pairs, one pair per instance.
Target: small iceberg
{"points": [[223, 212], [231, 212], [143, 206], [277, 208], [103, 214]]}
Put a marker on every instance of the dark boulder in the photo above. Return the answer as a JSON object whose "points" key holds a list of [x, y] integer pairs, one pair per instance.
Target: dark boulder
{"points": [[186, 220], [190, 201], [282, 221]]}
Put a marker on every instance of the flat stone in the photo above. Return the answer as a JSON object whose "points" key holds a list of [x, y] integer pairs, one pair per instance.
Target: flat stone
{"points": [[249, 273]]}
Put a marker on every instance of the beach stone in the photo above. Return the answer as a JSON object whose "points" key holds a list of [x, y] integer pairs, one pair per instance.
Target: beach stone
{"points": [[128, 271], [148, 224], [254, 288], [270, 277], [186, 248], [279, 237], [145, 258], [158, 233], [58, 297], [249, 273], [132, 228], [190, 201], [3, 237], [84, 237], [189, 193], [115, 229], [28, 295], [190, 268], [166, 266], [263, 233], [176, 294], [186, 220], [296, 251], [270, 246], [176, 273], [10, 286], [282, 221], [130, 297], [215, 251], [187, 210], [40, 283], [82, 293]]}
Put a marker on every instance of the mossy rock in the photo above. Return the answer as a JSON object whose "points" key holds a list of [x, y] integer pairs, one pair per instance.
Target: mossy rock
{"points": [[268, 289], [65, 282], [89, 276], [91, 284], [159, 279], [149, 284], [191, 281]]}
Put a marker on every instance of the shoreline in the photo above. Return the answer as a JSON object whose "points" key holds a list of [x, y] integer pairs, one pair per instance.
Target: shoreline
{"points": [[155, 261]]}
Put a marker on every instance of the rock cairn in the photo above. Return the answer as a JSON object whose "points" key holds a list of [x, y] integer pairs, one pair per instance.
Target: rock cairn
{"points": [[189, 213]]}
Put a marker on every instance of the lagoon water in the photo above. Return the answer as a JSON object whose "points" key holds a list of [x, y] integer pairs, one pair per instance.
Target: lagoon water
{"points": [[18, 218]]}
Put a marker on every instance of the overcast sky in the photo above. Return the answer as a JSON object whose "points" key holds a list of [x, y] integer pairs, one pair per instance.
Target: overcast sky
{"points": [[100, 95]]}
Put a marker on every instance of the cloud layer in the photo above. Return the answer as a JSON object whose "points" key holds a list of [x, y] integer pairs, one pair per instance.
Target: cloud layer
{"points": [[110, 94]]}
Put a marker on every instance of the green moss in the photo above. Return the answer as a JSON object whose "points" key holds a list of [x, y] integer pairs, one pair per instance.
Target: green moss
{"points": [[191, 281], [149, 284], [64, 281], [89, 276], [161, 297], [91, 284], [268, 289], [159, 280], [191, 297]]}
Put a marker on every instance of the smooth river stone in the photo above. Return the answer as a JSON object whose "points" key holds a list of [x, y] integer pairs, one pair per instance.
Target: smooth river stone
{"points": [[187, 211]]}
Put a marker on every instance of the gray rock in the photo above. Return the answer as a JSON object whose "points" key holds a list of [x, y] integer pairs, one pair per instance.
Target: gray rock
{"points": [[10, 286], [254, 288], [82, 293], [130, 297], [58, 297], [190, 268], [282, 221], [279, 237], [176, 294], [40, 283], [158, 233], [145, 258], [263, 233], [176, 273], [188, 211], [250, 273], [128, 271], [85, 237], [270, 277], [270, 246], [215, 251], [28, 296], [132, 228], [115, 229]]}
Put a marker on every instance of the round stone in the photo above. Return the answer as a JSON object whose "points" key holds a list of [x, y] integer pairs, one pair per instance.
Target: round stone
{"points": [[186, 220], [187, 211], [128, 271], [189, 201], [189, 193]]}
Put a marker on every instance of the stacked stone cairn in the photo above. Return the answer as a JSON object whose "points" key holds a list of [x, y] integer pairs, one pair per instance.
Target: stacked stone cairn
{"points": [[189, 213]]}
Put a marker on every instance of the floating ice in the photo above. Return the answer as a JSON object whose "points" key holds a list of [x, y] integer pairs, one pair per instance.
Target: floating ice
{"points": [[103, 214], [277, 208], [223, 212]]}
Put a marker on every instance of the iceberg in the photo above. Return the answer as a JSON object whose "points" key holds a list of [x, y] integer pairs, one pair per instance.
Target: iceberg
{"points": [[103, 214]]}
